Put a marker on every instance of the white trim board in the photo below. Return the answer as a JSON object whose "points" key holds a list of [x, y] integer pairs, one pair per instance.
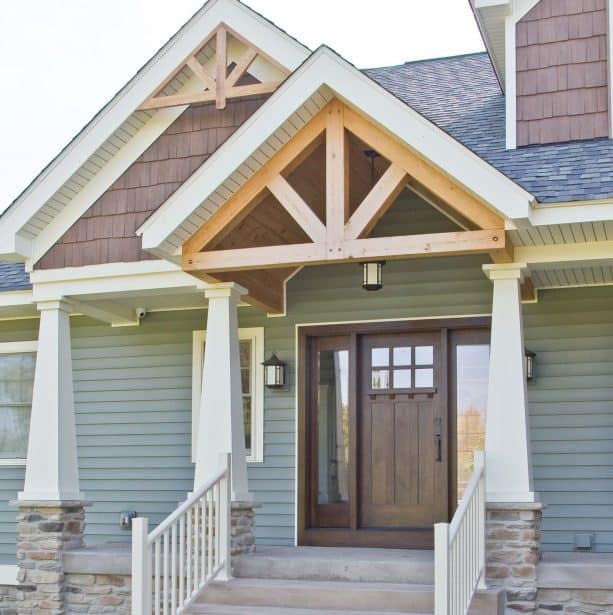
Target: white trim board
{"points": [[8, 574], [256, 335], [273, 42], [325, 70]]}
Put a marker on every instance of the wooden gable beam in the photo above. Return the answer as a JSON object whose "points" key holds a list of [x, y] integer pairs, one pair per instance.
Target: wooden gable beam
{"points": [[220, 87], [376, 203], [240, 204], [295, 255], [297, 208], [337, 175], [436, 181]]}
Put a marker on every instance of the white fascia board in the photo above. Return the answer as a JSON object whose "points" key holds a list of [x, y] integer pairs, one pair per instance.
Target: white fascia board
{"points": [[566, 253], [263, 34], [570, 213], [326, 69], [111, 278], [15, 298]]}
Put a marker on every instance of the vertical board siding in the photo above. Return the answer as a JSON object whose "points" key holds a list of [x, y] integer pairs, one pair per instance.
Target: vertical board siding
{"points": [[571, 413], [562, 72]]}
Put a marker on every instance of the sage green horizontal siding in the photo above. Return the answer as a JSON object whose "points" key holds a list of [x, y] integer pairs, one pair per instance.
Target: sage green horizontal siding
{"points": [[571, 413]]}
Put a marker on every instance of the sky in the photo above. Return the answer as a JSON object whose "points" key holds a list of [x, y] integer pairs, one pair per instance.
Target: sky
{"points": [[62, 60]]}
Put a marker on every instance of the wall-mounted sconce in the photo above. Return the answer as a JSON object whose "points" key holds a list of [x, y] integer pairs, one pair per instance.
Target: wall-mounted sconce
{"points": [[274, 372], [530, 356]]}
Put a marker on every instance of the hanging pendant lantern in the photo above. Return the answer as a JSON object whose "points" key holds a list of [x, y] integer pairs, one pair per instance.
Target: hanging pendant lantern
{"points": [[372, 275], [274, 372]]}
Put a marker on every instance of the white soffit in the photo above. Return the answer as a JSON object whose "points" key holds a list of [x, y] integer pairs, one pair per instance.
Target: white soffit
{"points": [[118, 134], [324, 76]]}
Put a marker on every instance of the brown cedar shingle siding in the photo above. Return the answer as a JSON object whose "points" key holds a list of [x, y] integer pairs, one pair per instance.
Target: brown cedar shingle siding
{"points": [[106, 232], [562, 92]]}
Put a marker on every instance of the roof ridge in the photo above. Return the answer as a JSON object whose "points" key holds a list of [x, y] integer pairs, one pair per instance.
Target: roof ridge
{"points": [[424, 60]]}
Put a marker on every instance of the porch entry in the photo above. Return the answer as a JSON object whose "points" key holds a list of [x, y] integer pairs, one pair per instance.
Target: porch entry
{"points": [[379, 451]]}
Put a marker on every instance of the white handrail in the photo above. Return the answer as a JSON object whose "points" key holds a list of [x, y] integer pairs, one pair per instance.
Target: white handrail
{"points": [[459, 549], [172, 564]]}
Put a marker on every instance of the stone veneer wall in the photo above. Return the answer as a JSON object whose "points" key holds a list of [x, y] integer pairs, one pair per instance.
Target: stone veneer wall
{"points": [[242, 535], [575, 601], [97, 593], [44, 532], [513, 551], [8, 600]]}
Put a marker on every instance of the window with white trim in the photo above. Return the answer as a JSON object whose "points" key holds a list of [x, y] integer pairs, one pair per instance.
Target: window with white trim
{"points": [[17, 362], [251, 343]]}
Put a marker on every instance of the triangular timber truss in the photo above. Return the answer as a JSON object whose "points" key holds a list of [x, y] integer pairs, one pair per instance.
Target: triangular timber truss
{"points": [[344, 236], [218, 79]]}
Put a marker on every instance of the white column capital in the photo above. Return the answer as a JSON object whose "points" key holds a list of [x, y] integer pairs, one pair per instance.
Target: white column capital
{"points": [[225, 289], [506, 271], [55, 304]]}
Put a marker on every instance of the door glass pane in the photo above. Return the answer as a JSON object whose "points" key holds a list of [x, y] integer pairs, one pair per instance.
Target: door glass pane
{"points": [[402, 378], [472, 363], [16, 384], [380, 357], [333, 426], [402, 355], [424, 378], [424, 355], [380, 379]]}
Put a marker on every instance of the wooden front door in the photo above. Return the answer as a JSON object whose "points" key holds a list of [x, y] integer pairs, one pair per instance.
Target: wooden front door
{"points": [[403, 479], [375, 470]]}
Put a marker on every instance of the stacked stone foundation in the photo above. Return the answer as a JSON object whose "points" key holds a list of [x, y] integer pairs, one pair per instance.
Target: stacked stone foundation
{"points": [[242, 533], [44, 532], [513, 533]]}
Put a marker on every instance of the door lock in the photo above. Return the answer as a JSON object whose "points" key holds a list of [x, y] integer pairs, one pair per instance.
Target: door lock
{"points": [[438, 438]]}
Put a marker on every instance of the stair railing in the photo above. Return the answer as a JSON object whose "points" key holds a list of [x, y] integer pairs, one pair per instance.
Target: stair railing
{"points": [[459, 549], [172, 564]]}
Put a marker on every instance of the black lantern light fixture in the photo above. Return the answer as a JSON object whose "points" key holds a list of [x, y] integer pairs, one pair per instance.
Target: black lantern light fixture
{"points": [[530, 356], [274, 372], [372, 275]]}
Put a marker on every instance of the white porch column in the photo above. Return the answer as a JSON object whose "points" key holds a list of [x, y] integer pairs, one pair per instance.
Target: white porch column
{"points": [[507, 438], [220, 426], [52, 473]]}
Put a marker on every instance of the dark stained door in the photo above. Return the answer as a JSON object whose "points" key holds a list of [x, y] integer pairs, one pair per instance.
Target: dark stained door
{"points": [[376, 439], [402, 435]]}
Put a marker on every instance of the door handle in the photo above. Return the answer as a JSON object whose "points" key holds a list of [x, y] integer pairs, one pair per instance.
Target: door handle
{"points": [[438, 438]]}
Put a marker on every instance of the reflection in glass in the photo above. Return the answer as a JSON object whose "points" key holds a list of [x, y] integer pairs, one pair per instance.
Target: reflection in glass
{"points": [[472, 375], [424, 355], [424, 378], [402, 378], [16, 382], [380, 379], [402, 355], [380, 357], [333, 426]]}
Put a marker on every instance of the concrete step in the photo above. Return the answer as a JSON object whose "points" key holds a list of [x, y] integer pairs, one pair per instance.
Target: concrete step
{"points": [[218, 609], [322, 595], [338, 564]]}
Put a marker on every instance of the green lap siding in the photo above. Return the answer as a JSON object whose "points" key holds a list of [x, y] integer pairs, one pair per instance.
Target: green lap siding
{"points": [[133, 397], [571, 413]]}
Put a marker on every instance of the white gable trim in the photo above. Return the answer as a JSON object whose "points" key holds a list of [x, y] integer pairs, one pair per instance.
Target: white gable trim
{"points": [[271, 40], [327, 70]]}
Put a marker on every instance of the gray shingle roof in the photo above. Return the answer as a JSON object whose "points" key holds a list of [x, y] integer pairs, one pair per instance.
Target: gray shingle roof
{"points": [[462, 96], [13, 276]]}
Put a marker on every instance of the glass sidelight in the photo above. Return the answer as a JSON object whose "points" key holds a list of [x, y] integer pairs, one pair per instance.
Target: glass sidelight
{"points": [[333, 426], [471, 369], [330, 432]]}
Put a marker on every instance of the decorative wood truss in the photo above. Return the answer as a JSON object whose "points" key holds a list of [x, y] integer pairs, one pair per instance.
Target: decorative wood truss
{"points": [[219, 79], [337, 231]]}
